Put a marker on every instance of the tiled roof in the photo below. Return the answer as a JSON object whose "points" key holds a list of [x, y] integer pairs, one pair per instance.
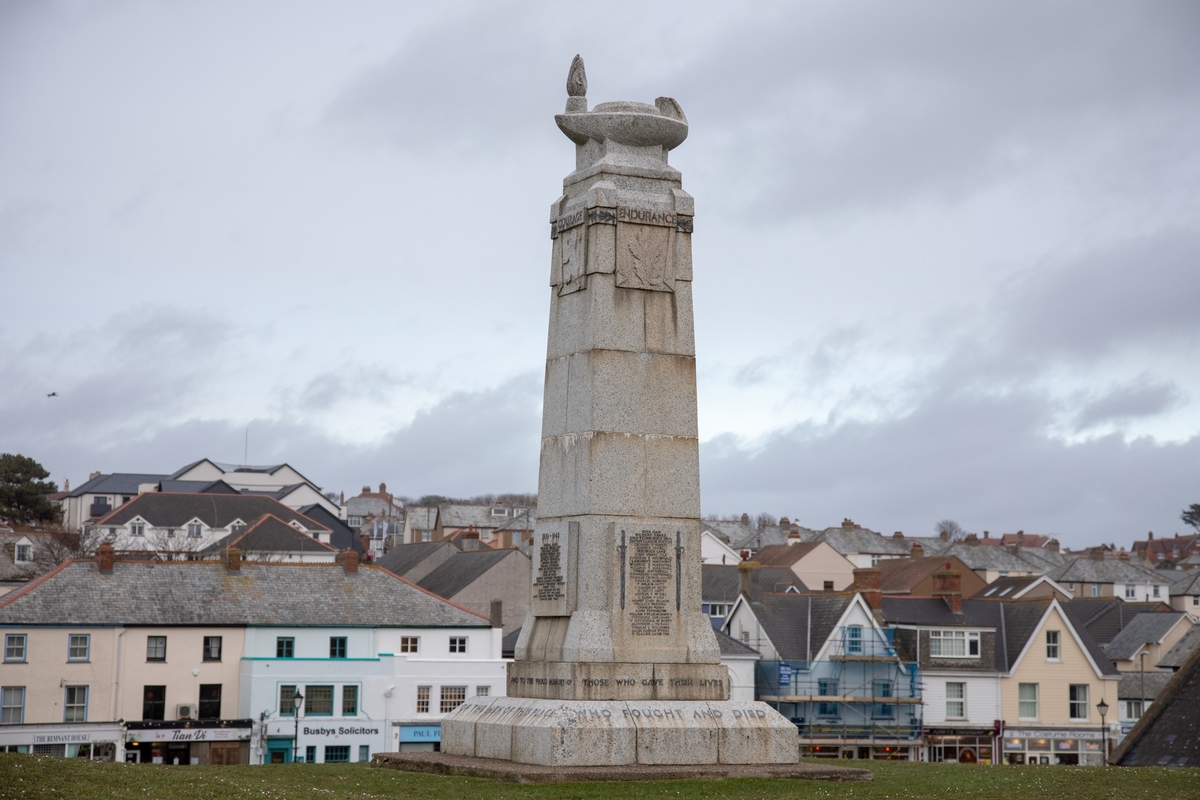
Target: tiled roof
{"points": [[206, 593], [732, 647], [166, 510], [1108, 570], [902, 574], [340, 536], [1187, 585], [720, 581], [1131, 686], [402, 559], [1145, 628], [421, 518], [860, 540], [455, 515], [1104, 617], [270, 534], [196, 487], [799, 624], [463, 569], [116, 483], [784, 555], [1177, 655], [1169, 733], [1010, 588], [936, 612], [983, 557]]}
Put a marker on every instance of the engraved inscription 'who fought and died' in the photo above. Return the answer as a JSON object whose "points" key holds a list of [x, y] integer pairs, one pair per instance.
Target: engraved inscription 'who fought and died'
{"points": [[652, 583]]}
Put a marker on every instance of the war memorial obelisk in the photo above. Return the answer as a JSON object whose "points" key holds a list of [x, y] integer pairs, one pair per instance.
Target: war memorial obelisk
{"points": [[616, 664]]}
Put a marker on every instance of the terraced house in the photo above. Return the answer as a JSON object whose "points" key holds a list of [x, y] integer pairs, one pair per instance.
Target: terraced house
{"points": [[224, 662]]}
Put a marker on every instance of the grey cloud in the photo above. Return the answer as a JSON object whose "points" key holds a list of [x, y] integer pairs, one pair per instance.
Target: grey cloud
{"points": [[1129, 402], [984, 461]]}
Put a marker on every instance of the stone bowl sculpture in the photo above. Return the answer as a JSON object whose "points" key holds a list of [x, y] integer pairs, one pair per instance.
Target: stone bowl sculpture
{"points": [[624, 122]]}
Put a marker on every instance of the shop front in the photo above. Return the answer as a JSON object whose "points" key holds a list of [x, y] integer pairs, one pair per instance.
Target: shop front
{"points": [[96, 741], [1068, 746], [185, 742], [317, 741], [419, 738], [960, 745]]}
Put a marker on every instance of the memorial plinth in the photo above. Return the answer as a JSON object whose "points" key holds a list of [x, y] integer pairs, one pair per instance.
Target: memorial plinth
{"points": [[616, 663]]}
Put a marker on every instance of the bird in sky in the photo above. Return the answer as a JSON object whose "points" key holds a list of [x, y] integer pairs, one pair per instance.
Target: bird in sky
{"points": [[52, 394]]}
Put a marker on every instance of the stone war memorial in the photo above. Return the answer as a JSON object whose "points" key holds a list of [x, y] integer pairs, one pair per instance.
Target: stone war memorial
{"points": [[616, 664]]}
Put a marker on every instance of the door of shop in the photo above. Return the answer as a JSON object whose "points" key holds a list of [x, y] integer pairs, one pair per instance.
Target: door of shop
{"points": [[279, 752], [226, 753]]}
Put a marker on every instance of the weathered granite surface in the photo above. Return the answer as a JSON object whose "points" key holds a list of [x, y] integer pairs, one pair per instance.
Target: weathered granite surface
{"points": [[585, 733]]}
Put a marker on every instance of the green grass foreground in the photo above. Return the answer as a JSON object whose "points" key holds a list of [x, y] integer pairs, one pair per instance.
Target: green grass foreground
{"points": [[23, 776]]}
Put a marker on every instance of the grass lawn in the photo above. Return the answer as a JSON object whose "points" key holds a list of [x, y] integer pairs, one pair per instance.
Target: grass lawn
{"points": [[23, 776]]}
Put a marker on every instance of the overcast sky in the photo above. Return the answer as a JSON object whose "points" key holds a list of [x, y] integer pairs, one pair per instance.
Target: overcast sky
{"points": [[947, 255]]}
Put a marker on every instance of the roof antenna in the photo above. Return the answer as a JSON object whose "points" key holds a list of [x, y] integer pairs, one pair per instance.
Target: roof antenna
{"points": [[246, 452]]}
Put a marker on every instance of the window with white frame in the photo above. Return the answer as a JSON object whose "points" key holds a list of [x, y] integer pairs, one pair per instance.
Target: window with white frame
{"points": [[1130, 590], [23, 553], [458, 644], [195, 530], [1052, 646], [12, 705], [716, 611], [137, 529], [1027, 701], [875, 560], [79, 646], [499, 512], [15, 647], [1095, 590], [75, 704], [956, 700], [1133, 709], [1078, 700], [452, 698], [954, 644], [854, 640], [483, 691], [1156, 590]]}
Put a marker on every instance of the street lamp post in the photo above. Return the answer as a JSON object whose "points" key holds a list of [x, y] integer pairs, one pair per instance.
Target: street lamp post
{"points": [[297, 701], [1102, 707]]}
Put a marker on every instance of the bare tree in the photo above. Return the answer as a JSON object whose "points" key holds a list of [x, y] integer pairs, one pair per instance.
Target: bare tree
{"points": [[765, 520], [950, 530]]}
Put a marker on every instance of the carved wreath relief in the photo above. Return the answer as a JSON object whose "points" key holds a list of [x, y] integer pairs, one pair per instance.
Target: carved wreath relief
{"points": [[645, 257], [573, 255]]}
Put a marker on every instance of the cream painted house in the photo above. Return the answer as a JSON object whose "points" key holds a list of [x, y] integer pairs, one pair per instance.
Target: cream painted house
{"points": [[1049, 696], [817, 564]]}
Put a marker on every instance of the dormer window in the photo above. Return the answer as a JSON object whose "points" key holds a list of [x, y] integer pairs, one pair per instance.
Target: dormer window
{"points": [[137, 529], [499, 512], [23, 553], [195, 530], [954, 644]]}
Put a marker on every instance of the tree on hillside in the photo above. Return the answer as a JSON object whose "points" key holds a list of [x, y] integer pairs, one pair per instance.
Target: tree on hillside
{"points": [[23, 491], [1191, 515]]}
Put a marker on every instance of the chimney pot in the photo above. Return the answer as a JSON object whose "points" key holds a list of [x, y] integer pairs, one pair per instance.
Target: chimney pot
{"points": [[366, 490], [918, 551], [947, 584], [96, 474], [747, 584], [497, 614], [105, 557]]}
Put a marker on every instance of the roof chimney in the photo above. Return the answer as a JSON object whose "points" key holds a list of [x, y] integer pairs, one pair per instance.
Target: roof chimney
{"points": [[383, 488], [918, 550], [497, 614], [1014, 549], [848, 524], [66, 484], [783, 523], [971, 540], [793, 536], [469, 540], [1150, 536], [1052, 545], [1096, 554], [869, 583], [747, 583], [745, 519], [94, 475], [987, 535], [366, 490], [349, 561], [898, 535], [365, 541], [105, 557], [947, 584], [232, 558]]}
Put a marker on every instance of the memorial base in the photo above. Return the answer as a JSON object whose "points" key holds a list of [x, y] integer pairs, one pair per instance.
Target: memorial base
{"points": [[614, 733]]}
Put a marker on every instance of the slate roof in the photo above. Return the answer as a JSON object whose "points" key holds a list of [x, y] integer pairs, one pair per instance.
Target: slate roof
{"points": [[731, 530], [984, 557], [1104, 617], [341, 537], [402, 559], [860, 540], [206, 593], [421, 518], [1177, 655], [732, 647], [719, 582], [454, 515], [463, 569], [270, 534], [800, 624], [508, 645], [1145, 628], [1130, 687], [1168, 734], [1043, 558], [116, 483], [784, 555], [1187, 585], [1108, 570], [169, 510], [1010, 587], [196, 487]]}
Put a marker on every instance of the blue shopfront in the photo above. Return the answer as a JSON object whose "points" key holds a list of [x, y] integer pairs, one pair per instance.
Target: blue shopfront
{"points": [[417, 738]]}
